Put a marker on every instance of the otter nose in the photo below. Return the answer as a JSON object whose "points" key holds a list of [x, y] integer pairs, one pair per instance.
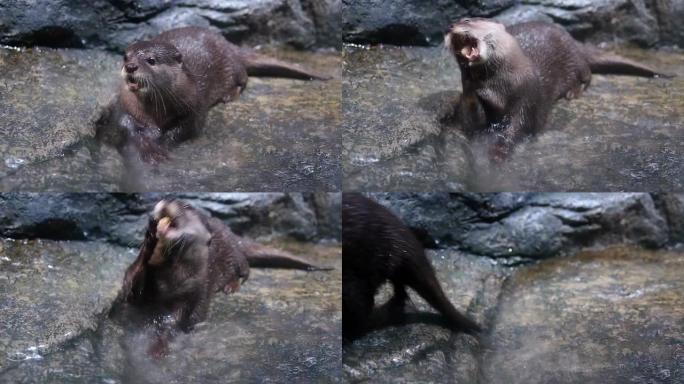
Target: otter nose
{"points": [[131, 67]]}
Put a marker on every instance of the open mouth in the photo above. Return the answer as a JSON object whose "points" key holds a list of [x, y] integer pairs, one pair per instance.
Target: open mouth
{"points": [[132, 83], [465, 46]]}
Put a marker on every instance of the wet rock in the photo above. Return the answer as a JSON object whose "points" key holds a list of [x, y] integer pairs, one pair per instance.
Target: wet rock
{"points": [[254, 143], [53, 292], [392, 138], [672, 206], [624, 133], [114, 25], [122, 218], [610, 316], [426, 353], [282, 326], [535, 225], [44, 112], [412, 22]]}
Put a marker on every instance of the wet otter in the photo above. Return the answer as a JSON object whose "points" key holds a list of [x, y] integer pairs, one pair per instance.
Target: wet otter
{"points": [[170, 82], [512, 76], [185, 258], [378, 247]]}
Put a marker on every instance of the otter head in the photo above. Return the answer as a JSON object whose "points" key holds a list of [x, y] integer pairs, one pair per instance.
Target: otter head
{"points": [[474, 40], [180, 231], [149, 66]]}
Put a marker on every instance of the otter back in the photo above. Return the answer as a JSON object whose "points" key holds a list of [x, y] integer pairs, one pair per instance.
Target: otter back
{"points": [[378, 247]]}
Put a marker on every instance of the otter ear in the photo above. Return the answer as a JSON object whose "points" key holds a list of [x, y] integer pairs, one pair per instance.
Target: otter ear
{"points": [[178, 57]]}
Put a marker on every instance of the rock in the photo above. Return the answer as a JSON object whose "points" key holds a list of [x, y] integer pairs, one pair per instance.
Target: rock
{"points": [[398, 22], [672, 206], [44, 113], [254, 143], [282, 325], [114, 25], [392, 136], [412, 22], [53, 292], [399, 133], [589, 316], [121, 219], [600, 316], [426, 353], [534, 225]]}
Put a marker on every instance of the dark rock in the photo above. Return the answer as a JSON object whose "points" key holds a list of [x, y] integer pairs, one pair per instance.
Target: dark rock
{"points": [[413, 22], [533, 225], [121, 218], [116, 24], [672, 207]]}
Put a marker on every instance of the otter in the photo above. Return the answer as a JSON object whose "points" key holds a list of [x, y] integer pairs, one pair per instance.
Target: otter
{"points": [[378, 247], [186, 257], [170, 82], [512, 76]]}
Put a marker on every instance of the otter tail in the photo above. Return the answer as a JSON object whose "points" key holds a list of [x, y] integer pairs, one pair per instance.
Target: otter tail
{"points": [[610, 63], [261, 65], [262, 256], [423, 281]]}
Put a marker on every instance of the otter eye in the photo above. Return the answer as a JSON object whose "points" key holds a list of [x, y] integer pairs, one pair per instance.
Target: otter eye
{"points": [[466, 21], [151, 61]]}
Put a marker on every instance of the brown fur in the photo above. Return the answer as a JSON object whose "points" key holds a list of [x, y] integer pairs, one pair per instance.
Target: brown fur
{"points": [[170, 83], [512, 76], [377, 247], [186, 257]]}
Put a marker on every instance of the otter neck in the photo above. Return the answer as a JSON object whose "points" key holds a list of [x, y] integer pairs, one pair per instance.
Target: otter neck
{"points": [[162, 107]]}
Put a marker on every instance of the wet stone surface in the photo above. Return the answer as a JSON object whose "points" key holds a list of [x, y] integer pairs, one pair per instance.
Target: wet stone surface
{"points": [[282, 326], [52, 292], [600, 316], [280, 135], [612, 316], [624, 133]]}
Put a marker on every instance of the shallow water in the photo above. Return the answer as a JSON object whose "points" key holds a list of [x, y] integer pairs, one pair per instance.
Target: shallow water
{"points": [[280, 135], [282, 326], [624, 134]]}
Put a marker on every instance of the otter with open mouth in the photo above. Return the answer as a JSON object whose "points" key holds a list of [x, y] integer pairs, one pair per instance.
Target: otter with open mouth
{"points": [[512, 76], [170, 82], [186, 257]]}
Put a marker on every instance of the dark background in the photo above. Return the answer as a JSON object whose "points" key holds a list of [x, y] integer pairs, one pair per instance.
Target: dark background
{"points": [[121, 218], [540, 225], [646, 23], [114, 24]]}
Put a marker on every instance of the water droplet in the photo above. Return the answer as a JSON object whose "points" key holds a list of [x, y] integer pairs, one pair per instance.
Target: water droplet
{"points": [[14, 162]]}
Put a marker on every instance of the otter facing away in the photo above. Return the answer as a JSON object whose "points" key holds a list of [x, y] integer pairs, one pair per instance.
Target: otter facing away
{"points": [[170, 82], [377, 247], [186, 257], [512, 76]]}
